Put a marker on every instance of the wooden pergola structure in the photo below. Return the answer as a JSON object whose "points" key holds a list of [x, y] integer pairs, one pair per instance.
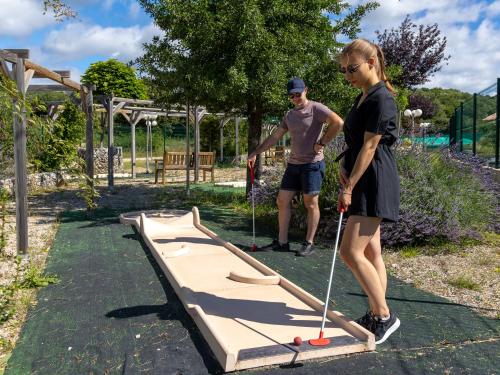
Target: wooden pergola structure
{"points": [[22, 70], [16, 65], [135, 110]]}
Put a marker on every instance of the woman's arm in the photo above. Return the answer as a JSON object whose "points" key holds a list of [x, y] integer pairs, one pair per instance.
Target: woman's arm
{"points": [[363, 160]]}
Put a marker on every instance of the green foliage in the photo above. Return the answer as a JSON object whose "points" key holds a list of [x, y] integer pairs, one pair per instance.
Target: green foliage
{"points": [[34, 278], [52, 144], [59, 9], [113, 76], [245, 51], [464, 282], [87, 186], [210, 136], [4, 199], [394, 73], [7, 293], [7, 93], [446, 101]]}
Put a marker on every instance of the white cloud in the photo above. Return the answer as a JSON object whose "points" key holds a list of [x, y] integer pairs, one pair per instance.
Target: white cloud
{"points": [[494, 9], [79, 40], [22, 17], [471, 28]]}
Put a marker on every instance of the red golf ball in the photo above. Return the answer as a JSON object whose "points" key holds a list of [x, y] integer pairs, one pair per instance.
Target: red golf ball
{"points": [[297, 341]]}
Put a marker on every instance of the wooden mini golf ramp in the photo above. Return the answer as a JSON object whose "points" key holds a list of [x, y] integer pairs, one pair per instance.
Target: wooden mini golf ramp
{"points": [[247, 313]]}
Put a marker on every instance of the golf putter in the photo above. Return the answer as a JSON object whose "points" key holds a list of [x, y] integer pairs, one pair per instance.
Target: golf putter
{"points": [[322, 341]]}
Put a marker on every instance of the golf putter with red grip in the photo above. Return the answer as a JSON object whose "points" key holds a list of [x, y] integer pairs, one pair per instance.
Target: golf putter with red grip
{"points": [[322, 341]]}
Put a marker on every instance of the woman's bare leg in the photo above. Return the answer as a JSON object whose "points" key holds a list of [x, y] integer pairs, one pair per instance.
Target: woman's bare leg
{"points": [[359, 232]]}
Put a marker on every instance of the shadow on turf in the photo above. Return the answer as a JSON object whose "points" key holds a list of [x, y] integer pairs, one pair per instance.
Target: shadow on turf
{"points": [[425, 301], [171, 310]]}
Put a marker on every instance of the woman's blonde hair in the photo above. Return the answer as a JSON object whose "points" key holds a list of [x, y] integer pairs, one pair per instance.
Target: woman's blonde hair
{"points": [[367, 49]]}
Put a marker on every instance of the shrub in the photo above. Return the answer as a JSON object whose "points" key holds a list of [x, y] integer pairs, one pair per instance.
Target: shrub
{"points": [[441, 197], [444, 196], [52, 144]]}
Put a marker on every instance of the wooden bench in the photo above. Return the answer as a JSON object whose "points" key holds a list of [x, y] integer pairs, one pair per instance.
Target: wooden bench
{"points": [[274, 155], [176, 161]]}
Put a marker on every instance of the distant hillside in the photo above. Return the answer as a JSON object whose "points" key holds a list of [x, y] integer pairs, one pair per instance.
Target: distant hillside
{"points": [[446, 101]]}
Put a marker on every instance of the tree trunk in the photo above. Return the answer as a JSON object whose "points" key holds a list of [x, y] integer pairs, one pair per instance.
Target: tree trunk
{"points": [[255, 114]]}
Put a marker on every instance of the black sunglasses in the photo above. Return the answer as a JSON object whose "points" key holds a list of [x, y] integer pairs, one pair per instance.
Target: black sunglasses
{"points": [[353, 68], [295, 95]]}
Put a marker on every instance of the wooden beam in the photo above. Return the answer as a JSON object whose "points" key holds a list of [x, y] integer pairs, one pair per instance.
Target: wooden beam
{"points": [[5, 69], [197, 120], [46, 88], [62, 73], [20, 53], [28, 75], [46, 73], [8, 56], [111, 150], [133, 101], [118, 107], [124, 114], [237, 139], [20, 164]]}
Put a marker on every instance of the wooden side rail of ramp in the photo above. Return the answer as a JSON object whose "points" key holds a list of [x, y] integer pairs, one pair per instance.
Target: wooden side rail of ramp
{"points": [[247, 312]]}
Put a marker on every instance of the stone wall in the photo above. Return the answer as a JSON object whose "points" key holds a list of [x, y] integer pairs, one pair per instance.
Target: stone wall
{"points": [[101, 159], [36, 181], [54, 179]]}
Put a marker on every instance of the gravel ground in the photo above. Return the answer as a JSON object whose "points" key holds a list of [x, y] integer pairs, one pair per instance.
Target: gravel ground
{"points": [[476, 267]]}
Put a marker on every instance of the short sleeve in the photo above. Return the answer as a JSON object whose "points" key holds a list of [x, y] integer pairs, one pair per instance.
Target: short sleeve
{"points": [[283, 122], [322, 112], [379, 112]]}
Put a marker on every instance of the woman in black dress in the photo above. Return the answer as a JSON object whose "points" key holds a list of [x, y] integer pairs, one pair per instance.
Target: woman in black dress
{"points": [[369, 178]]}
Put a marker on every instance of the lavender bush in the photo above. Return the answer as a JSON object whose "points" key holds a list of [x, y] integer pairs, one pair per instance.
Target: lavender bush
{"points": [[444, 195]]}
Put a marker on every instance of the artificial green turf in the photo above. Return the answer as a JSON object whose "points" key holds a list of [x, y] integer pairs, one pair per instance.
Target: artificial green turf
{"points": [[113, 312]]}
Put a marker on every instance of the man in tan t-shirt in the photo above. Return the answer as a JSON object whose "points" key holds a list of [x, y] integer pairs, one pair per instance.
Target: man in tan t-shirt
{"points": [[306, 168]]}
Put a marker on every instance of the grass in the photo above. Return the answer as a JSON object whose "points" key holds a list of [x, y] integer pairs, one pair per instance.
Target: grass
{"points": [[410, 252], [463, 282], [439, 246]]}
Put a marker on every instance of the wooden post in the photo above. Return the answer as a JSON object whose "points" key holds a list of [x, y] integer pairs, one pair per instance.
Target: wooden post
{"points": [[196, 143], [20, 161], [148, 122], [88, 107], [110, 142], [221, 141], [188, 152], [237, 144], [132, 151]]}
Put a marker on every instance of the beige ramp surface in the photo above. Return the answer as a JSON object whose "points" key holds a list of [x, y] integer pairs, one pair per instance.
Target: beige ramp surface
{"points": [[248, 313]]}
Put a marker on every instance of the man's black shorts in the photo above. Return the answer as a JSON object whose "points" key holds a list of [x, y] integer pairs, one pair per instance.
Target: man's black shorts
{"points": [[306, 178]]}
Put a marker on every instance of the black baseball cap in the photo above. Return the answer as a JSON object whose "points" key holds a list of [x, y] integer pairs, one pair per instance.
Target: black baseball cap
{"points": [[295, 85]]}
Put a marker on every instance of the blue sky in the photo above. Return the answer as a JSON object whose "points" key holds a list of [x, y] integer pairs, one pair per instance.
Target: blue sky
{"points": [[117, 28]]}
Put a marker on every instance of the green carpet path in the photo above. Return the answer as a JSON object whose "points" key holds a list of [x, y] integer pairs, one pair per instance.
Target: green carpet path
{"points": [[113, 311]]}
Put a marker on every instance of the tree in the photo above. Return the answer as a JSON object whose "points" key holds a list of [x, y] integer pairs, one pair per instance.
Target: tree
{"points": [[424, 103], [114, 77], [59, 8], [419, 54], [238, 55]]}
